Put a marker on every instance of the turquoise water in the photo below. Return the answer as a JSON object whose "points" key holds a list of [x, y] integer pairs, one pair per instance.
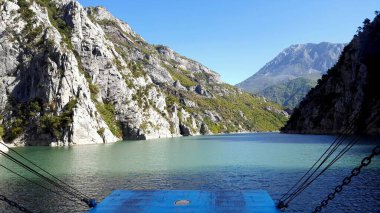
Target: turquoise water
{"points": [[268, 161]]}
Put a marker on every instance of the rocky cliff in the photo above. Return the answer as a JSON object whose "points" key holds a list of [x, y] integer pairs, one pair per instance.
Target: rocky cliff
{"points": [[74, 75], [348, 94]]}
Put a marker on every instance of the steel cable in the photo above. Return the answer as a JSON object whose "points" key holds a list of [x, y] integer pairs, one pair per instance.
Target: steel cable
{"points": [[34, 182], [59, 180], [42, 176]]}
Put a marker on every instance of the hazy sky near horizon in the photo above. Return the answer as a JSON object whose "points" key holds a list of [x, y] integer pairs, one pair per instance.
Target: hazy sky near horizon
{"points": [[237, 37]]}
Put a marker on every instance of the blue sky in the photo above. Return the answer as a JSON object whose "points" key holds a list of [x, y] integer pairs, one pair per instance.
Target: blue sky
{"points": [[237, 37]]}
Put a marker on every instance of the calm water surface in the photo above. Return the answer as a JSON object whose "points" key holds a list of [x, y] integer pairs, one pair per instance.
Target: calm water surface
{"points": [[268, 161]]}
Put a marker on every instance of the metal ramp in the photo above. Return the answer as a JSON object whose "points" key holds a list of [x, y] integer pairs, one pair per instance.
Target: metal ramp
{"points": [[197, 201]]}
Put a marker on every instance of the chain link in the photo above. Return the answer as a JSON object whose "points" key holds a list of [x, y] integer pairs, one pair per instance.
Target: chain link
{"points": [[347, 180], [14, 204]]}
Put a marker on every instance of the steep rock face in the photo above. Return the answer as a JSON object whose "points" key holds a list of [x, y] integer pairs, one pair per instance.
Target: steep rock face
{"points": [[41, 70], [74, 75], [349, 93]]}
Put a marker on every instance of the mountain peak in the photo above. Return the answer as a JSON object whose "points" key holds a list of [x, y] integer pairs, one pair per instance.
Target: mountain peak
{"points": [[299, 60], [101, 15], [293, 72]]}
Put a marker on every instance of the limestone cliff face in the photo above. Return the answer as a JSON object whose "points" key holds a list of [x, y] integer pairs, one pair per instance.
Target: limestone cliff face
{"points": [[349, 93], [36, 65], [74, 75]]}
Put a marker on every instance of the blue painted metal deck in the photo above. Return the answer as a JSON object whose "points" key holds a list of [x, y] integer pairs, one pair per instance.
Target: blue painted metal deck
{"points": [[257, 201]]}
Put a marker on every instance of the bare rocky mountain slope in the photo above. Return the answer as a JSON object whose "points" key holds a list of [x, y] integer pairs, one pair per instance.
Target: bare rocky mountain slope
{"points": [[291, 74], [75, 75], [349, 95], [309, 61]]}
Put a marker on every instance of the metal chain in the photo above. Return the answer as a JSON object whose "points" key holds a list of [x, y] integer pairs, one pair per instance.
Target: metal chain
{"points": [[347, 180], [14, 204]]}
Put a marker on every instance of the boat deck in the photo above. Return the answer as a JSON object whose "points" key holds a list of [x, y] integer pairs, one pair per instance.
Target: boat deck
{"points": [[187, 201]]}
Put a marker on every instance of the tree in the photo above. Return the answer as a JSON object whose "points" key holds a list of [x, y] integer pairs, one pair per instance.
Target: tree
{"points": [[366, 22], [359, 30]]}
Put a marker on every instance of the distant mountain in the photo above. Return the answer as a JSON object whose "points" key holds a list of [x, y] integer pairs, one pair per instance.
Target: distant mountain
{"points": [[347, 97], [289, 93], [309, 61]]}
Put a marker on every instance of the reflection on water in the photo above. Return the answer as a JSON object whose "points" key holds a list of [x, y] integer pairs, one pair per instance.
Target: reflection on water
{"points": [[230, 162]]}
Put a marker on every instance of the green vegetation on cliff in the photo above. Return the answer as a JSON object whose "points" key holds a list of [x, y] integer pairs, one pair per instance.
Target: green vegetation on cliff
{"points": [[238, 109], [1, 131], [1, 127], [230, 112], [55, 124], [55, 17], [180, 75], [107, 111], [38, 115]]}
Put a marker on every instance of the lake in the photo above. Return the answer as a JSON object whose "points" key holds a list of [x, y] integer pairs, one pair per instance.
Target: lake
{"points": [[268, 161]]}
